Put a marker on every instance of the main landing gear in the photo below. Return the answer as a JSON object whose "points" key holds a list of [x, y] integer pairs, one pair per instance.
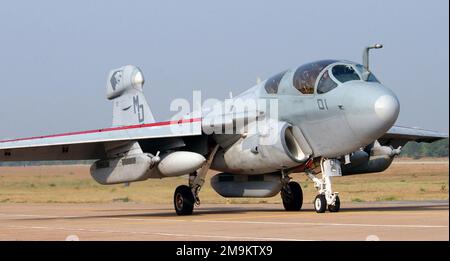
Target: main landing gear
{"points": [[326, 197], [291, 194], [292, 197], [185, 197], [183, 200]]}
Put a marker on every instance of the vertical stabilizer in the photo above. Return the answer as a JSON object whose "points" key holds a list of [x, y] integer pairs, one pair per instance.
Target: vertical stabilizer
{"points": [[125, 89]]}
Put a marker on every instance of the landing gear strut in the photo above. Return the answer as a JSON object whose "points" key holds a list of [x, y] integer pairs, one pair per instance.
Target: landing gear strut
{"points": [[326, 196], [291, 194]]}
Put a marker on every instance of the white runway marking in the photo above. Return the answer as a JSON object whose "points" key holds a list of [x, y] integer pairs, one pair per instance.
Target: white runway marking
{"points": [[244, 222], [420, 162], [287, 223], [157, 233], [324, 224]]}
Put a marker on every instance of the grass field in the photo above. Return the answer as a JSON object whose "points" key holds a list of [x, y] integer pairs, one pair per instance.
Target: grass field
{"points": [[73, 184]]}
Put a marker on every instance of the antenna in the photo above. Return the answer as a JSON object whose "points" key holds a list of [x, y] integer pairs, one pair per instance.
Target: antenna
{"points": [[366, 54], [366, 57]]}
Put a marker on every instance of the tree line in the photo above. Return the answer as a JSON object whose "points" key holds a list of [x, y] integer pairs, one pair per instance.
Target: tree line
{"points": [[419, 150], [411, 149]]}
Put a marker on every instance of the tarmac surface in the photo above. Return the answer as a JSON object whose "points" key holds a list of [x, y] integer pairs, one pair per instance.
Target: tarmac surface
{"points": [[259, 222]]}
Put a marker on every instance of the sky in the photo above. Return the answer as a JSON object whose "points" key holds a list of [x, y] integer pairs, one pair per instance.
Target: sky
{"points": [[55, 55]]}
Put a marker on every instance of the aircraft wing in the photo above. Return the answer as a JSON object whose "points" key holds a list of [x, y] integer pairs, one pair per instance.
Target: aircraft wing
{"points": [[399, 136], [90, 144]]}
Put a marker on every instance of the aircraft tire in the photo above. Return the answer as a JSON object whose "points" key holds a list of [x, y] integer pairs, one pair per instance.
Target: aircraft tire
{"points": [[320, 203], [336, 207], [293, 202], [183, 201]]}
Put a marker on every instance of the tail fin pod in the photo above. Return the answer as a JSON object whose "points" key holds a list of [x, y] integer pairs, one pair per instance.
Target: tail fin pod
{"points": [[125, 88]]}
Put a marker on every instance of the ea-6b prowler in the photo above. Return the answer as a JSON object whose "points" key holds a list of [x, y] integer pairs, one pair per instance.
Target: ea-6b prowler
{"points": [[329, 117]]}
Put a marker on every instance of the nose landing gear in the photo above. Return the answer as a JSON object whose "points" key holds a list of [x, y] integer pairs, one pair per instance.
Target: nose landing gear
{"points": [[326, 196]]}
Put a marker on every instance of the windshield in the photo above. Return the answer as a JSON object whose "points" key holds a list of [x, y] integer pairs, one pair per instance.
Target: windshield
{"points": [[345, 73]]}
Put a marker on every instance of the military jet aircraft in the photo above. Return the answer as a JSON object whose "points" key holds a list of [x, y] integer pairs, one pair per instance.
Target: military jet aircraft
{"points": [[327, 118]]}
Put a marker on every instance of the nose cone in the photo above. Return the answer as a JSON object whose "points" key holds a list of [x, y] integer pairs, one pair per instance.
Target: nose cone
{"points": [[387, 108], [370, 109]]}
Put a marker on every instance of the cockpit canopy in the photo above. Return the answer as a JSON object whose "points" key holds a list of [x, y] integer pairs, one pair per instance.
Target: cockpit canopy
{"points": [[306, 75], [324, 75]]}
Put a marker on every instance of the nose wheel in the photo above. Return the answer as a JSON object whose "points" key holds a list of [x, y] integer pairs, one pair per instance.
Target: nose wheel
{"points": [[336, 207], [320, 204]]}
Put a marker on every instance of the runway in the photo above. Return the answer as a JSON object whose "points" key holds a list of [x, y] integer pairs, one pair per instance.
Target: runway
{"points": [[265, 222]]}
